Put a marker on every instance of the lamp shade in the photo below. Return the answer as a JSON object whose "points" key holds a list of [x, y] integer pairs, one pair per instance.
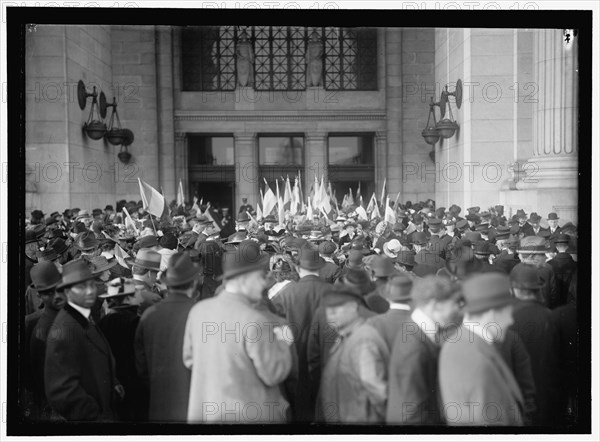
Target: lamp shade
{"points": [[431, 135], [446, 128], [115, 136], [95, 130]]}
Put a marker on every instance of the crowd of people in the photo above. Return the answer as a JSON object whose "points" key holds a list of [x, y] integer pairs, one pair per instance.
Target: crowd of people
{"points": [[198, 317]]}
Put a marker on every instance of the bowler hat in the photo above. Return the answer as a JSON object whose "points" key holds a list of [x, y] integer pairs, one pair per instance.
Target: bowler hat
{"points": [[383, 266], [341, 294], [47, 254], [180, 270], [420, 238], [39, 230], [148, 259], [57, 233], [45, 276], [553, 216], [526, 276], [485, 214], [473, 217], [355, 259], [86, 240], [119, 287], [359, 279], [310, 259], [37, 214], [532, 244], [97, 212], [246, 258], [99, 264], [75, 272], [398, 288], [108, 207], [486, 291], [483, 228], [392, 248]]}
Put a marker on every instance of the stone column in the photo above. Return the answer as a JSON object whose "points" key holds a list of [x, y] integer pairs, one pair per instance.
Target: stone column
{"points": [[393, 101], [316, 159], [380, 161], [246, 170], [553, 167], [180, 161]]}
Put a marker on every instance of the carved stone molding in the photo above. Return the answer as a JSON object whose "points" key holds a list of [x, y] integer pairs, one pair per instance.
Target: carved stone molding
{"points": [[279, 115]]}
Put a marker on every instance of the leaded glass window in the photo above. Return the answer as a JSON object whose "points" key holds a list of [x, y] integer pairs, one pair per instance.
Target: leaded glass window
{"points": [[209, 58]]}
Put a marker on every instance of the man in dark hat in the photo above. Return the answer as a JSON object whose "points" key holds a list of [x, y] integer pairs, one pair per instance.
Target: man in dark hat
{"points": [[508, 257], [245, 207], [428, 261], [159, 343], [45, 278], [473, 376], [298, 301], [243, 220], [524, 226], [534, 325], [564, 267], [553, 226], [346, 394], [145, 271], [37, 217], [252, 355], [80, 378], [439, 240], [483, 251], [532, 250], [413, 370], [534, 220], [331, 271]]}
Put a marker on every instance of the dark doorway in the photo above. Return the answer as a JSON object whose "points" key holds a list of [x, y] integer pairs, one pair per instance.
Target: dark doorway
{"points": [[219, 195]]}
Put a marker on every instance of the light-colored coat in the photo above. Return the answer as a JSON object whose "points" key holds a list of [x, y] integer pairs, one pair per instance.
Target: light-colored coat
{"points": [[237, 363], [477, 387]]}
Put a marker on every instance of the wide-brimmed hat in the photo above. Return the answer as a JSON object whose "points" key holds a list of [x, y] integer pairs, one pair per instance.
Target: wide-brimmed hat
{"points": [[392, 248], [359, 279], [39, 230], [310, 259], [532, 244], [502, 232], [148, 259], [180, 270], [526, 276], [119, 287], [86, 240], [486, 291], [45, 276], [75, 272], [237, 238], [246, 258], [99, 264]]}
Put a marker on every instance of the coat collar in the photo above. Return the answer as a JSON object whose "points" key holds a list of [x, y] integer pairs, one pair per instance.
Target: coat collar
{"points": [[96, 338]]}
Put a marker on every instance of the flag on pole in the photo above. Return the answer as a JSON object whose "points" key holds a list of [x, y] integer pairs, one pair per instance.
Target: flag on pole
{"points": [[372, 203], [324, 198], [390, 216], [309, 211], [280, 212], [362, 213], [287, 194], [259, 214], [121, 255], [196, 207], [383, 191], [359, 198], [129, 222], [316, 202], [180, 197], [396, 202], [152, 200], [270, 200], [295, 198]]}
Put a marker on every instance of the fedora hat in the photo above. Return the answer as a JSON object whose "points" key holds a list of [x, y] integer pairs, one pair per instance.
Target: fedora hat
{"points": [[342, 293], [398, 288], [86, 240], [99, 264], [30, 236], [521, 214], [46, 254], [355, 260], [534, 217], [118, 287], [526, 276], [486, 291], [148, 259], [562, 238], [246, 258], [532, 244], [45, 276], [37, 214], [180, 270], [39, 230], [83, 214], [237, 238], [359, 279], [75, 272], [482, 248], [310, 259], [392, 248]]}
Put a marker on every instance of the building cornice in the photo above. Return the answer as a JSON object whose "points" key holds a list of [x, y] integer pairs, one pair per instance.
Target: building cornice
{"points": [[279, 115]]}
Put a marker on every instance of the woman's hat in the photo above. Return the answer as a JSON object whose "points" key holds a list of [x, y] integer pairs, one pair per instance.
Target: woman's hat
{"points": [[392, 248]]}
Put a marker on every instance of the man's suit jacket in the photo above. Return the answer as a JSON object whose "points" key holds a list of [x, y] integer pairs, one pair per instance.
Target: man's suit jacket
{"points": [[79, 372], [476, 385]]}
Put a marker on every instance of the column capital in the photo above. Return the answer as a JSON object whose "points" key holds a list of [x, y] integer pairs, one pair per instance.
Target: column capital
{"points": [[241, 137], [180, 136], [381, 136], [310, 136]]}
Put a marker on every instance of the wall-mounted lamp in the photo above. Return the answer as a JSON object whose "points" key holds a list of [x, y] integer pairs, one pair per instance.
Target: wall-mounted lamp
{"points": [[448, 126], [431, 133], [124, 155], [94, 127], [114, 134]]}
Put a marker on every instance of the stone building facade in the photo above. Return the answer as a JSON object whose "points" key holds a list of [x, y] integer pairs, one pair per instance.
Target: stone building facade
{"points": [[194, 122]]}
